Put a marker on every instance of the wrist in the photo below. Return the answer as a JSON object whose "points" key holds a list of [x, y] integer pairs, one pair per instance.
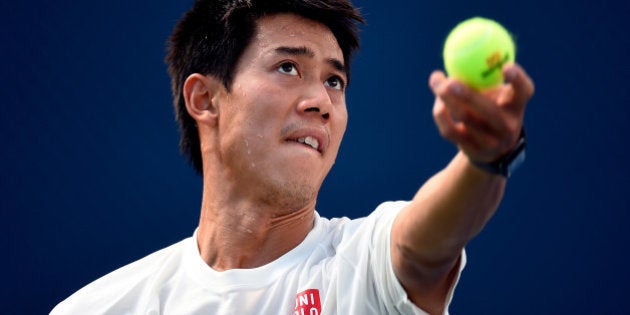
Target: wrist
{"points": [[509, 162]]}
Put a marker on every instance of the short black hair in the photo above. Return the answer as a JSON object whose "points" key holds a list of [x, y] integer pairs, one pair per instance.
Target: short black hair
{"points": [[211, 37]]}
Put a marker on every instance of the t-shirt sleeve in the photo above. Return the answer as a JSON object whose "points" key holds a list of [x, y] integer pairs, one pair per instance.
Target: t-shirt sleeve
{"points": [[387, 284]]}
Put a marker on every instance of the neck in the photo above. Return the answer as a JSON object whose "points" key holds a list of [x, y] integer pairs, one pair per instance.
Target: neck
{"points": [[241, 233]]}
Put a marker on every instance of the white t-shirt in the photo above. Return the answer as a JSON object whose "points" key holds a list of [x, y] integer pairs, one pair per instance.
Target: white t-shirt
{"points": [[342, 267]]}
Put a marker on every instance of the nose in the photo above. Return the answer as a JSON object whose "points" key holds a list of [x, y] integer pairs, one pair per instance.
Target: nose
{"points": [[316, 101]]}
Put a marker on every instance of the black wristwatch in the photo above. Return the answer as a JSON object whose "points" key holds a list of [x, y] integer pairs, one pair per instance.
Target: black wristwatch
{"points": [[508, 163]]}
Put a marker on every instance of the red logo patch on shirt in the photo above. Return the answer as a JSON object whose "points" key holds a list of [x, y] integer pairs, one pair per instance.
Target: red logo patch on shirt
{"points": [[307, 303]]}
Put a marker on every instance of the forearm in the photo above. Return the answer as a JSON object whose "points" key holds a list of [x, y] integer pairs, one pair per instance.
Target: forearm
{"points": [[449, 209], [454, 205], [429, 234]]}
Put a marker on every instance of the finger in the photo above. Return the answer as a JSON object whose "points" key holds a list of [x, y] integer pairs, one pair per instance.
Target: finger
{"points": [[473, 141], [471, 107], [447, 89], [488, 132], [444, 121], [522, 85], [449, 128], [457, 132], [435, 80], [473, 120], [437, 83]]}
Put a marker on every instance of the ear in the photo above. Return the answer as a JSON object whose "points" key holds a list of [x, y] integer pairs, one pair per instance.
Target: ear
{"points": [[200, 94]]}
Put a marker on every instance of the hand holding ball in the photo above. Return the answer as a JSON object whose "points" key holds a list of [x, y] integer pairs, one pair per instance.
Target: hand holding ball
{"points": [[475, 52]]}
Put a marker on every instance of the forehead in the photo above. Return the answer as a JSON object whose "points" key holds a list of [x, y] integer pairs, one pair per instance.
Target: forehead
{"points": [[292, 30]]}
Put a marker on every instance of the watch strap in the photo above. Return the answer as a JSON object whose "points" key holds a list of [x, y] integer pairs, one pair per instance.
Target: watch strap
{"points": [[508, 163]]}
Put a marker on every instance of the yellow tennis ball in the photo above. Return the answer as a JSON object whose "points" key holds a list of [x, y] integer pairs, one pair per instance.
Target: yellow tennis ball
{"points": [[475, 52]]}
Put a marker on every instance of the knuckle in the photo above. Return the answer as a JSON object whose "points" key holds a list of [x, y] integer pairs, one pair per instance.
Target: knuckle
{"points": [[531, 89], [438, 110], [468, 117], [447, 132]]}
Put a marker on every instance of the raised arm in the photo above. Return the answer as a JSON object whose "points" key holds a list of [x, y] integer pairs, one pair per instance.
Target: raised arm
{"points": [[454, 205]]}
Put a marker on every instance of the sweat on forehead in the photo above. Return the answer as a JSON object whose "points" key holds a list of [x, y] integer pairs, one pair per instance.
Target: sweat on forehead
{"points": [[293, 26], [212, 36], [287, 35]]}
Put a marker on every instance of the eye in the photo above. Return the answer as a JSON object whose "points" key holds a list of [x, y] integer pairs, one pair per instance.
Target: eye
{"points": [[288, 68], [335, 82]]}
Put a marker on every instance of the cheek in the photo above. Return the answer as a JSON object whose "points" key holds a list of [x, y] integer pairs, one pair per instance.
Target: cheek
{"points": [[251, 132], [337, 131], [341, 122]]}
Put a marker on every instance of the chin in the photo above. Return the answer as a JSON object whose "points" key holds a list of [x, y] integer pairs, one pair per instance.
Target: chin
{"points": [[292, 195]]}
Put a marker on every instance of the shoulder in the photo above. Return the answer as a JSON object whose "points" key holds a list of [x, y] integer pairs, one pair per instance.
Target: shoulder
{"points": [[346, 232], [126, 288], [360, 261], [384, 211]]}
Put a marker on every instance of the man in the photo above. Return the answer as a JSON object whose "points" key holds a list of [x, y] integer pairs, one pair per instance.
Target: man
{"points": [[259, 91]]}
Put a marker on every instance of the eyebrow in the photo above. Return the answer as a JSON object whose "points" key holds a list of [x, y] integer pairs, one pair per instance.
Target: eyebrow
{"points": [[305, 51]]}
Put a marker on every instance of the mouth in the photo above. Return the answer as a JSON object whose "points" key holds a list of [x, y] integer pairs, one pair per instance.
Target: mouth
{"points": [[313, 138], [310, 141]]}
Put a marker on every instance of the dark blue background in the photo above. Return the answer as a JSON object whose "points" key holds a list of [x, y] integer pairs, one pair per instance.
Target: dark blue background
{"points": [[91, 176]]}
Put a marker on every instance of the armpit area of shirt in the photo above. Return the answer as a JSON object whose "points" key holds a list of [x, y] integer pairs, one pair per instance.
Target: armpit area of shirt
{"points": [[398, 294]]}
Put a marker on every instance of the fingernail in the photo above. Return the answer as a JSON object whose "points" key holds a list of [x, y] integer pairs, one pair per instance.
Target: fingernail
{"points": [[456, 88], [435, 83], [510, 74]]}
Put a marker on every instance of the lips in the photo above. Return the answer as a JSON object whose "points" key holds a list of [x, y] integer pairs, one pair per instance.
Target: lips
{"points": [[314, 143], [315, 137]]}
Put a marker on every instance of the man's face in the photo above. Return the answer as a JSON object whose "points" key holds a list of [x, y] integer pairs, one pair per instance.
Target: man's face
{"points": [[281, 123]]}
